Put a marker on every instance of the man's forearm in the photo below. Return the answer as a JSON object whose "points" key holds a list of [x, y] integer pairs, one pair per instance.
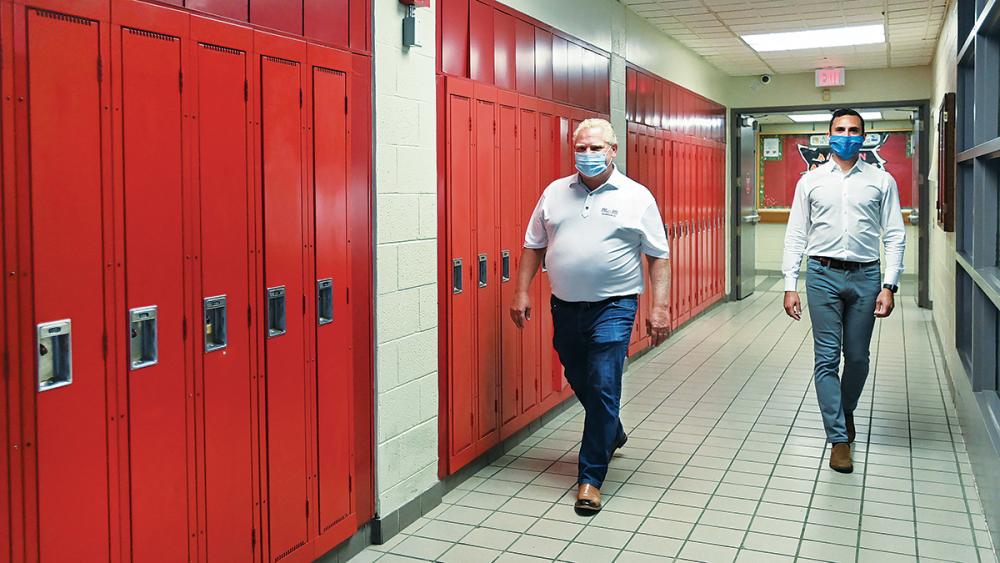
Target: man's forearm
{"points": [[659, 278], [531, 259]]}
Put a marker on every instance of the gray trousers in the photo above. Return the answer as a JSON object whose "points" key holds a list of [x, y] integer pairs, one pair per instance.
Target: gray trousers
{"points": [[842, 309]]}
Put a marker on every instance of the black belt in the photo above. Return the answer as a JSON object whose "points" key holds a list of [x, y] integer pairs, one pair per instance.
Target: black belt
{"points": [[591, 304], [841, 264]]}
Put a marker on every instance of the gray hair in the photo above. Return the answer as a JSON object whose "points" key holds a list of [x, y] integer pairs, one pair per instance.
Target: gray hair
{"points": [[608, 132]]}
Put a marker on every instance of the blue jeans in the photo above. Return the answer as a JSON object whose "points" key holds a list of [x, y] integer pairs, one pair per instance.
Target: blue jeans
{"points": [[842, 309], [592, 342]]}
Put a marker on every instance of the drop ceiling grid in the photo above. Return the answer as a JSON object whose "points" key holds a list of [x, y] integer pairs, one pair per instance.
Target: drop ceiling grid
{"points": [[711, 28]]}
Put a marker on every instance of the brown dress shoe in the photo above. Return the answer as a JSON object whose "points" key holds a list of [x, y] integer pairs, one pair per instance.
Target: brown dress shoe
{"points": [[588, 499], [840, 458], [849, 422]]}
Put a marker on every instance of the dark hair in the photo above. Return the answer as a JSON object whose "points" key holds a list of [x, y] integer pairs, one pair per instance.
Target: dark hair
{"points": [[847, 111]]}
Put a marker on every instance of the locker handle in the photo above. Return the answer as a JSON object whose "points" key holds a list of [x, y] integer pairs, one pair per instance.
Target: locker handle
{"points": [[324, 301], [143, 348], [216, 329], [276, 311], [505, 267], [456, 275], [54, 354], [483, 265]]}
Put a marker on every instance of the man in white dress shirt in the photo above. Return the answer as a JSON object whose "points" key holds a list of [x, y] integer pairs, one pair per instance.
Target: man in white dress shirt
{"points": [[840, 211]]}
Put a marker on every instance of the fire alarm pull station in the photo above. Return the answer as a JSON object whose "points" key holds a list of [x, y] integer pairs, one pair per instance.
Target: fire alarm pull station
{"points": [[410, 21]]}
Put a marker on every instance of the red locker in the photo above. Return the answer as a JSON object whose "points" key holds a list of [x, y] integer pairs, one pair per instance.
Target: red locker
{"points": [[588, 89], [525, 57], [64, 372], [225, 282], [658, 104], [281, 179], [235, 9], [603, 86], [486, 238], [560, 69], [511, 237], [276, 14], [332, 145], [453, 33], [549, 151], [504, 50], [158, 379], [325, 21], [574, 73], [461, 305], [530, 187], [543, 64], [481, 47], [361, 25], [631, 86]]}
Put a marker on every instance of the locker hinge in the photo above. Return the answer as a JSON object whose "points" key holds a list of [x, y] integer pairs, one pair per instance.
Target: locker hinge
{"points": [[180, 81], [184, 328], [345, 105], [307, 508], [303, 304], [104, 344], [300, 97], [253, 538], [496, 405], [494, 127], [249, 316], [348, 296], [350, 482], [470, 124], [100, 69], [246, 90]]}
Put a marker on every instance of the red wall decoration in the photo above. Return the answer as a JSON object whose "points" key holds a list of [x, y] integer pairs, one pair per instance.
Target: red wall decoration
{"points": [[779, 176]]}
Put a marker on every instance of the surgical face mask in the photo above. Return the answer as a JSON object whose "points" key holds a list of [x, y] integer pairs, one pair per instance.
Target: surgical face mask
{"points": [[846, 146], [591, 164]]}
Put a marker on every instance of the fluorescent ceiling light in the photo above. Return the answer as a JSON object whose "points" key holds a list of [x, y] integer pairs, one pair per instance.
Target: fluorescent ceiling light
{"points": [[816, 117], [816, 38]]}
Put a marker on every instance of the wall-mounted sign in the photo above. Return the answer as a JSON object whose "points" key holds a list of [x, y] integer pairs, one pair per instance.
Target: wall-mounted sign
{"points": [[772, 148], [827, 77], [819, 140]]}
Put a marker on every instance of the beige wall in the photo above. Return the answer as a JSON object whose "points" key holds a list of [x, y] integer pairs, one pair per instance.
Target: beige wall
{"points": [[770, 241], [879, 85]]}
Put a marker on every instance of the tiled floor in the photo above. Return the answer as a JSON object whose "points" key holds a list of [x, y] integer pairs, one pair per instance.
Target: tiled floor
{"points": [[726, 461]]}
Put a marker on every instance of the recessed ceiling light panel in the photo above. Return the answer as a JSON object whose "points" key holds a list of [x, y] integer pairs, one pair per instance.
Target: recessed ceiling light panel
{"points": [[819, 117], [816, 38]]}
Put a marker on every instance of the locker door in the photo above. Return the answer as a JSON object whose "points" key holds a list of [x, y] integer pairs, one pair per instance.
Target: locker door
{"points": [[511, 383], [549, 150], [334, 373], [224, 339], [461, 327], [636, 166], [685, 242], [65, 156], [565, 136], [487, 242], [504, 51], [666, 210], [281, 173], [529, 188], [276, 14], [158, 382]]}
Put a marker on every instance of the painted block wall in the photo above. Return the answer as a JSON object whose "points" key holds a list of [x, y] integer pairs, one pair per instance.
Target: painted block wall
{"points": [[863, 85], [405, 204]]}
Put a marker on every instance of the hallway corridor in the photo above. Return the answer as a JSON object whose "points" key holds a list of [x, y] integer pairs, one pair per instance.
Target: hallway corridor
{"points": [[725, 461]]}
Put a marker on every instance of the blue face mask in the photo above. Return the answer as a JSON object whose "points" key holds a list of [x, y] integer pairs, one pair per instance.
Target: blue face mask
{"points": [[846, 146], [591, 164]]}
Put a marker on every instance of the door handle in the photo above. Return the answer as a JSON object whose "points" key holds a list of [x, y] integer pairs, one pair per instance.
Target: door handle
{"points": [[324, 301], [483, 273], [504, 266], [755, 218], [276, 308], [54, 354], [216, 331], [143, 348], [456, 276], [914, 217]]}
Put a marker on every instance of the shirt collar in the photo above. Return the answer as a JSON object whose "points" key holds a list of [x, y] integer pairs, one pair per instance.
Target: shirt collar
{"points": [[613, 182], [858, 167]]}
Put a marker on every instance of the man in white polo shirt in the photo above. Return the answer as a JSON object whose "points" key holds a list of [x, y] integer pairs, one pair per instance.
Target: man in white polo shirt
{"points": [[591, 229], [839, 211]]}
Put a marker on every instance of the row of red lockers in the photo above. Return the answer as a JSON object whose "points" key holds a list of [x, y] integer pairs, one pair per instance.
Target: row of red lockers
{"points": [[498, 151], [186, 221]]}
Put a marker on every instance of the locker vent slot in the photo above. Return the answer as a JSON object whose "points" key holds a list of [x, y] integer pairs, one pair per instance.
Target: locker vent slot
{"points": [[456, 276], [328, 70], [276, 311], [221, 49], [54, 354], [289, 551], [324, 301], [62, 17], [279, 61], [334, 523], [505, 266], [216, 329], [143, 349], [483, 270], [151, 34]]}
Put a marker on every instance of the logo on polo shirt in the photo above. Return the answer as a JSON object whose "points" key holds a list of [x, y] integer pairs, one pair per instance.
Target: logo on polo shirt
{"points": [[609, 212]]}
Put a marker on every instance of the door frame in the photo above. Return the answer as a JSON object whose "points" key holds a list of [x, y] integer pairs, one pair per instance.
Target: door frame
{"points": [[923, 208]]}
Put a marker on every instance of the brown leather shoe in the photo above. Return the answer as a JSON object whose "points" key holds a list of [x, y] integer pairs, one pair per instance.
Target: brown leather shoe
{"points": [[588, 499], [849, 422], [840, 458]]}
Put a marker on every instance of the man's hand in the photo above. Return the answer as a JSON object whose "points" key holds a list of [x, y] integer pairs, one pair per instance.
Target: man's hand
{"points": [[793, 307], [884, 303], [658, 324], [520, 308]]}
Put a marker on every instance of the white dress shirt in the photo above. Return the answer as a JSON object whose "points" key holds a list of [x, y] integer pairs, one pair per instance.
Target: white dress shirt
{"points": [[594, 239], [842, 215]]}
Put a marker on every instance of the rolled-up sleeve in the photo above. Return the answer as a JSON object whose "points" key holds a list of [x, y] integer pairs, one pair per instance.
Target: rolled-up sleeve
{"points": [[894, 233], [654, 237], [535, 236]]}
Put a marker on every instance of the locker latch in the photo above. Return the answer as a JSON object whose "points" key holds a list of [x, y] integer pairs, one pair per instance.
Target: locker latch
{"points": [[216, 329], [54, 354], [324, 301], [276, 311], [143, 349], [505, 266], [456, 275], [483, 270]]}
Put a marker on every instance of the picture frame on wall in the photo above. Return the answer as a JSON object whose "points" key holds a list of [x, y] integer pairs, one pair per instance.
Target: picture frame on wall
{"points": [[946, 163]]}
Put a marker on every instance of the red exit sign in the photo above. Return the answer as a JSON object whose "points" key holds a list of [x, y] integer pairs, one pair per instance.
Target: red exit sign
{"points": [[827, 77]]}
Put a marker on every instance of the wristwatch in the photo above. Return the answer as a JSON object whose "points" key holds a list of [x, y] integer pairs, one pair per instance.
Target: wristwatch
{"points": [[890, 287]]}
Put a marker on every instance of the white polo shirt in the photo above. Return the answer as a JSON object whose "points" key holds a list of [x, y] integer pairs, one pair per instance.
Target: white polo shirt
{"points": [[594, 239]]}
